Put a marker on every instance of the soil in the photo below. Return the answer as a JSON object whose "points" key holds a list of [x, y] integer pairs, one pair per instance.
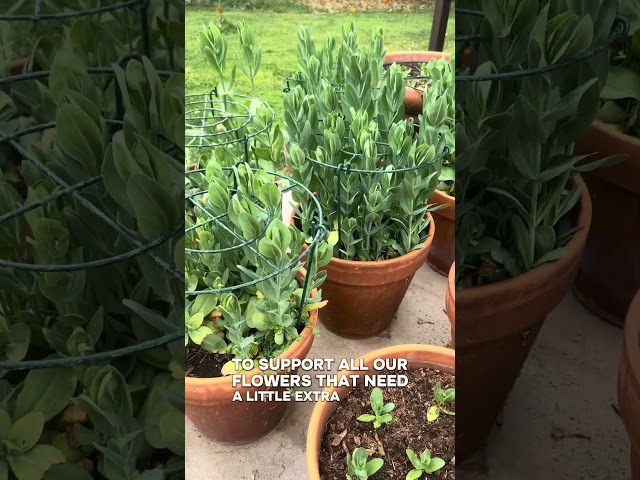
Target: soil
{"points": [[202, 364], [408, 429]]}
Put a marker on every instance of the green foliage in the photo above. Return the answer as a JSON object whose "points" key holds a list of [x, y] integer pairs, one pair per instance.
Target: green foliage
{"points": [[437, 122], [437, 85], [277, 35], [514, 139], [19, 449], [100, 39], [442, 397], [346, 110], [359, 467], [425, 464], [381, 411], [259, 320], [220, 120], [621, 95], [129, 422]]}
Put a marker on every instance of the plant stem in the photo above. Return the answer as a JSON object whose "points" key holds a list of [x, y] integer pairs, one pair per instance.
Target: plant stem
{"points": [[4, 303]]}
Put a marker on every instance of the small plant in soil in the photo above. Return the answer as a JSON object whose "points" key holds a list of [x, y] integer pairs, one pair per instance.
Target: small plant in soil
{"points": [[360, 467], [344, 432], [381, 411], [442, 397], [425, 464]]}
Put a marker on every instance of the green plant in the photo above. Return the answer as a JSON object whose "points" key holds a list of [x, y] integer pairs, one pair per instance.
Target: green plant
{"points": [[261, 319], [223, 117], [250, 55], [71, 314], [347, 142], [19, 446], [359, 467], [436, 129], [425, 464], [124, 418], [621, 95], [442, 397], [100, 39], [514, 138], [381, 411]]}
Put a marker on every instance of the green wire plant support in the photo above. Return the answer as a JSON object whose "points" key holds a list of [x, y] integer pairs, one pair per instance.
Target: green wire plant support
{"points": [[76, 190], [205, 113]]}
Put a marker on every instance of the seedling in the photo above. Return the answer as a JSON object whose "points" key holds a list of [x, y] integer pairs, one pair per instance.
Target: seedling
{"points": [[425, 464], [442, 398], [359, 467], [381, 411]]}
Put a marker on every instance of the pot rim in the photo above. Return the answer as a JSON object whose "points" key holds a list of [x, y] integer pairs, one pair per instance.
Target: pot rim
{"points": [[392, 262], [519, 283], [632, 336], [422, 56], [444, 198], [312, 445], [193, 382], [617, 136], [451, 281]]}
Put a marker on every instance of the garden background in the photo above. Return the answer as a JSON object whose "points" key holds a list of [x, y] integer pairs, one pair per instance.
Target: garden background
{"points": [[421, 318], [406, 25]]}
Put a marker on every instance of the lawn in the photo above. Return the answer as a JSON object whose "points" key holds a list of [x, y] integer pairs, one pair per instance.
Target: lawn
{"points": [[278, 33]]}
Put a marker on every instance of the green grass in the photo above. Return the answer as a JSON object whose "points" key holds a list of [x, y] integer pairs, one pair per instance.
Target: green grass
{"points": [[278, 33]]}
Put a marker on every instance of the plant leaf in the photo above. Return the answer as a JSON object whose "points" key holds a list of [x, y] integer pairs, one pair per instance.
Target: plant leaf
{"points": [[33, 464]]}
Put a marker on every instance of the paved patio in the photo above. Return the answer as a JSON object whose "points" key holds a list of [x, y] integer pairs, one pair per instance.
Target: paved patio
{"points": [[559, 422]]}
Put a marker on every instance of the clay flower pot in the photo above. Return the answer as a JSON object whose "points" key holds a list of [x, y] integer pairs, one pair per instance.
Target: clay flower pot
{"points": [[418, 356], [209, 405], [450, 302], [629, 383], [364, 296], [413, 97], [498, 325], [609, 274], [18, 66], [443, 248]]}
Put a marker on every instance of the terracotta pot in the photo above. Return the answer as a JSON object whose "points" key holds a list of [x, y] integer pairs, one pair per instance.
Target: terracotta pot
{"points": [[209, 405], [450, 303], [609, 275], [18, 66], [443, 249], [629, 383], [413, 97], [418, 356], [364, 296], [498, 325]]}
